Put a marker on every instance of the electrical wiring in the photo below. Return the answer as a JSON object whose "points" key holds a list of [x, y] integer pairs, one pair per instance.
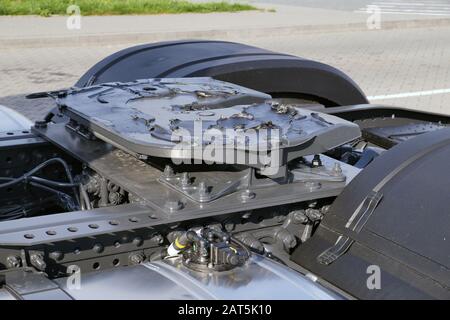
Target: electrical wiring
{"points": [[64, 198], [39, 182], [30, 209], [53, 183], [82, 198], [30, 173]]}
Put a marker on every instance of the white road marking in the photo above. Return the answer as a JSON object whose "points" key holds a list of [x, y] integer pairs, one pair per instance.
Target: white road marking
{"points": [[416, 13], [428, 4], [409, 94], [431, 8]]}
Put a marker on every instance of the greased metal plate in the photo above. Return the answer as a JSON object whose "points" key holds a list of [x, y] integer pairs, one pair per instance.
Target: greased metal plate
{"points": [[153, 117]]}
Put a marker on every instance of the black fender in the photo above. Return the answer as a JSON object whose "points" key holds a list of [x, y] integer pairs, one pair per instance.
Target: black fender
{"points": [[393, 217], [280, 75]]}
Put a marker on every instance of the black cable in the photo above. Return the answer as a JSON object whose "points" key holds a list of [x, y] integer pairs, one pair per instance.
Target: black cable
{"points": [[84, 197], [41, 182], [14, 181], [28, 174], [63, 197], [44, 187], [12, 212], [53, 183]]}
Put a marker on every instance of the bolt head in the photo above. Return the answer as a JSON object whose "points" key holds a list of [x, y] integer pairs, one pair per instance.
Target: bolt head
{"points": [[185, 179], [229, 226], [337, 170], [136, 259], [313, 185], [168, 172], [57, 255], [247, 195], [174, 205], [14, 262], [158, 238], [203, 190], [98, 248], [138, 241]]}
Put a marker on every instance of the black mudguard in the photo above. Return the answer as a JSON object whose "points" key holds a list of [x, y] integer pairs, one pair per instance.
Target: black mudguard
{"points": [[280, 75], [394, 215]]}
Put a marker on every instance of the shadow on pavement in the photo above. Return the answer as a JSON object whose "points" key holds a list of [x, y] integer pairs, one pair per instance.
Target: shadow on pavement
{"points": [[34, 109]]}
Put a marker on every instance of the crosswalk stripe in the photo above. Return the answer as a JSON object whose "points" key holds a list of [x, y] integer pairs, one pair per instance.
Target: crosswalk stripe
{"points": [[402, 12], [418, 8]]}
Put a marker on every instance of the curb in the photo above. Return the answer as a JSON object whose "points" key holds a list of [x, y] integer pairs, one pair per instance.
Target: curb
{"points": [[224, 34]]}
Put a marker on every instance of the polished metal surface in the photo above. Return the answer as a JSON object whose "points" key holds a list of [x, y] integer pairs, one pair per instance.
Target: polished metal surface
{"points": [[185, 118], [11, 120], [260, 278], [6, 295], [132, 283], [139, 116], [141, 179]]}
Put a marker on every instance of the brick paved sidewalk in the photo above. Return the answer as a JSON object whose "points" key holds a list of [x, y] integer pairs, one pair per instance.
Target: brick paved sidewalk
{"points": [[382, 62]]}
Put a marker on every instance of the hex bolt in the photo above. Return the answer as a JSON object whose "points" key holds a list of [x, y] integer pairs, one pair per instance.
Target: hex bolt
{"points": [[203, 190], [136, 258], [313, 185], [13, 262], [138, 241], [98, 248], [57, 255], [168, 172], [202, 187], [229, 226], [337, 170], [37, 261], [158, 238], [247, 195], [185, 179], [174, 205]]}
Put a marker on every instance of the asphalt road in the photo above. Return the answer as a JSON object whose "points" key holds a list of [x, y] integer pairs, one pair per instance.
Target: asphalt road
{"points": [[408, 67]]}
